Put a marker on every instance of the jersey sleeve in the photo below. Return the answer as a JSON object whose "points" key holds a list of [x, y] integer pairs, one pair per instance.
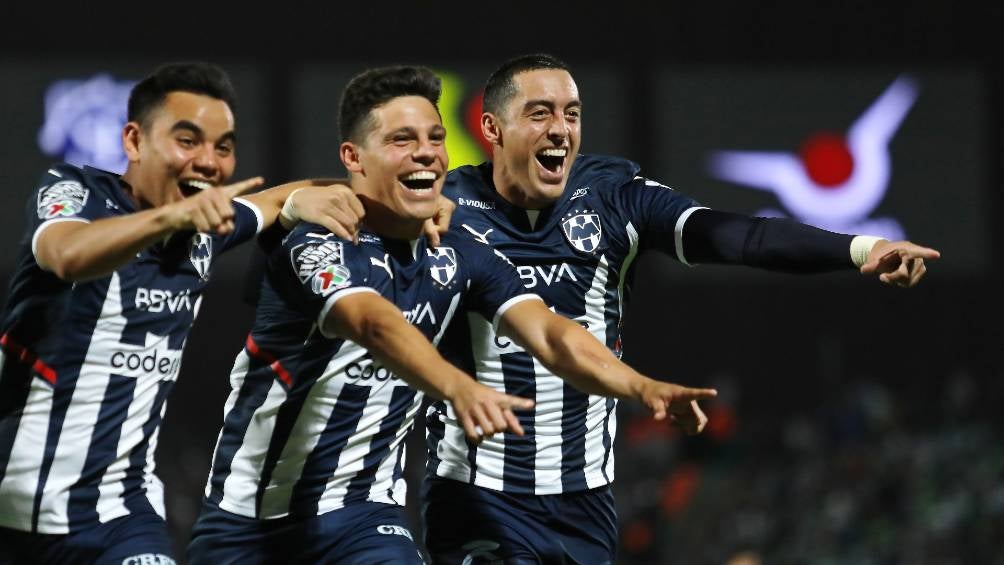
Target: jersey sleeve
{"points": [[248, 222], [63, 195], [657, 212], [315, 268], [494, 283]]}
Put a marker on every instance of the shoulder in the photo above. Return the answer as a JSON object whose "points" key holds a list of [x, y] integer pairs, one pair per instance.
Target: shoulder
{"points": [[602, 171], [469, 251], [464, 179], [63, 190], [311, 247], [462, 243]]}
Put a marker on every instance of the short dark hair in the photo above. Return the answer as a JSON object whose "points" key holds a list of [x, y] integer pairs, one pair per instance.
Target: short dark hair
{"points": [[501, 87], [196, 77], [375, 87]]}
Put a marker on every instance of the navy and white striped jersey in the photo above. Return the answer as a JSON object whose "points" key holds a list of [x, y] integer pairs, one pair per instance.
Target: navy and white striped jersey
{"points": [[313, 423], [85, 367], [578, 257]]}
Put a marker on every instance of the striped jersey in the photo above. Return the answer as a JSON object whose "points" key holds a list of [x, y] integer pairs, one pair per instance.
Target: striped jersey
{"points": [[313, 422], [85, 367], [577, 255]]}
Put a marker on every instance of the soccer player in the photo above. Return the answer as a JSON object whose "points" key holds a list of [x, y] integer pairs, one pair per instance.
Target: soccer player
{"points": [[109, 279], [308, 467], [573, 225]]}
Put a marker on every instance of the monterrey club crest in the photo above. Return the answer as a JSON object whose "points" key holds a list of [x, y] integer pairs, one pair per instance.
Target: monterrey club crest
{"points": [[583, 230], [200, 252], [442, 264]]}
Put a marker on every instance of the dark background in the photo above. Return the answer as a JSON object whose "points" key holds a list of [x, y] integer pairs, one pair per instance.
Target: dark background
{"points": [[856, 424]]}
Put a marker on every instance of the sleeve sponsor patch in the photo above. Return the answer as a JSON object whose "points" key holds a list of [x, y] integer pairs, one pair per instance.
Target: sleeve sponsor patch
{"points": [[330, 279], [311, 257], [62, 199]]}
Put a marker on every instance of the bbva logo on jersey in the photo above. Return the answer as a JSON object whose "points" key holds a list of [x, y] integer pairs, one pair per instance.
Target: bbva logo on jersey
{"points": [[442, 264], [583, 230], [200, 252]]}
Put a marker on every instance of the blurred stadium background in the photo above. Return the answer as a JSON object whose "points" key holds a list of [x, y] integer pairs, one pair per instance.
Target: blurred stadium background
{"points": [[856, 423]]}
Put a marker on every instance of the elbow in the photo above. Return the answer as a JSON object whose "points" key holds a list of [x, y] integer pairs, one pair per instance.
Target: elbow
{"points": [[63, 266], [372, 331], [563, 346]]}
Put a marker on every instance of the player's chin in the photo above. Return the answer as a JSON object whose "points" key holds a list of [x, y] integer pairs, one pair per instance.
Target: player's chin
{"points": [[421, 210]]}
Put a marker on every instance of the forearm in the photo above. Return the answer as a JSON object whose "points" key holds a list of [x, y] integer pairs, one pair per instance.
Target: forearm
{"points": [[402, 348], [778, 244], [575, 355], [77, 251], [270, 201]]}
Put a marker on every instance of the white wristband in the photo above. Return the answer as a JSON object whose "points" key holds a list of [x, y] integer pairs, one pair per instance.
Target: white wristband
{"points": [[861, 246], [288, 216]]}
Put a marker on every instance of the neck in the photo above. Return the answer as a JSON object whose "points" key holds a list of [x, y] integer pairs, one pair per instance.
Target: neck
{"points": [[510, 190], [129, 182], [381, 221]]}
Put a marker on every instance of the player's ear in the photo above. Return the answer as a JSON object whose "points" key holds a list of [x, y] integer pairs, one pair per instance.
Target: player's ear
{"points": [[131, 139], [491, 129], [349, 152]]}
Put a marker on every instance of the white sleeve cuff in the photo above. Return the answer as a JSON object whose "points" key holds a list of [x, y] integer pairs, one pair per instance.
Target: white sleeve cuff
{"points": [[678, 232], [38, 232], [331, 302], [509, 304], [257, 213], [861, 246]]}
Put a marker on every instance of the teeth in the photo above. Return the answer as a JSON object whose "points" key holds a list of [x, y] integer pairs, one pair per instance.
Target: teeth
{"points": [[199, 184], [421, 175], [553, 152]]}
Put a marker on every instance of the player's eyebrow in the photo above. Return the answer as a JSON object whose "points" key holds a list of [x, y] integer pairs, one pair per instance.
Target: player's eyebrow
{"points": [[407, 130], [550, 105], [187, 125], [230, 136]]}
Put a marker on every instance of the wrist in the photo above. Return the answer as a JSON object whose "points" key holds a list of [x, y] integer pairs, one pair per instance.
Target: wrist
{"points": [[288, 215], [168, 219], [861, 247]]}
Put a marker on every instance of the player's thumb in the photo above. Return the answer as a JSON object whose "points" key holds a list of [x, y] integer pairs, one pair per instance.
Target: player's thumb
{"points": [[519, 403]]}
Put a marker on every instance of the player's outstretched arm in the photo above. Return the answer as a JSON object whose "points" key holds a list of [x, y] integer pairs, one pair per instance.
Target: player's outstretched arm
{"points": [[781, 244], [574, 354], [375, 323], [76, 251]]}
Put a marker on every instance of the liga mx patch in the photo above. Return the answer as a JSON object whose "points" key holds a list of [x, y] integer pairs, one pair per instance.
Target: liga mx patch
{"points": [[309, 257], [62, 199], [200, 253], [583, 230], [330, 279], [442, 264]]}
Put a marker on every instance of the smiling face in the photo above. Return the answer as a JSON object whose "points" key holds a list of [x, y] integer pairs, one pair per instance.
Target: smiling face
{"points": [[185, 145], [400, 164], [535, 138]]}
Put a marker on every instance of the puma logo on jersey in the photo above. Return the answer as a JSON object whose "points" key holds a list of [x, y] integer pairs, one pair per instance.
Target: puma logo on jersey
{"points": [[385, 264], [481, 237]]}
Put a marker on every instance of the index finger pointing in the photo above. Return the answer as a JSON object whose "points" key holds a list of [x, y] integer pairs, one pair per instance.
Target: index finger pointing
{"points": [[696, 393], [239, 188], [924, 253]]}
